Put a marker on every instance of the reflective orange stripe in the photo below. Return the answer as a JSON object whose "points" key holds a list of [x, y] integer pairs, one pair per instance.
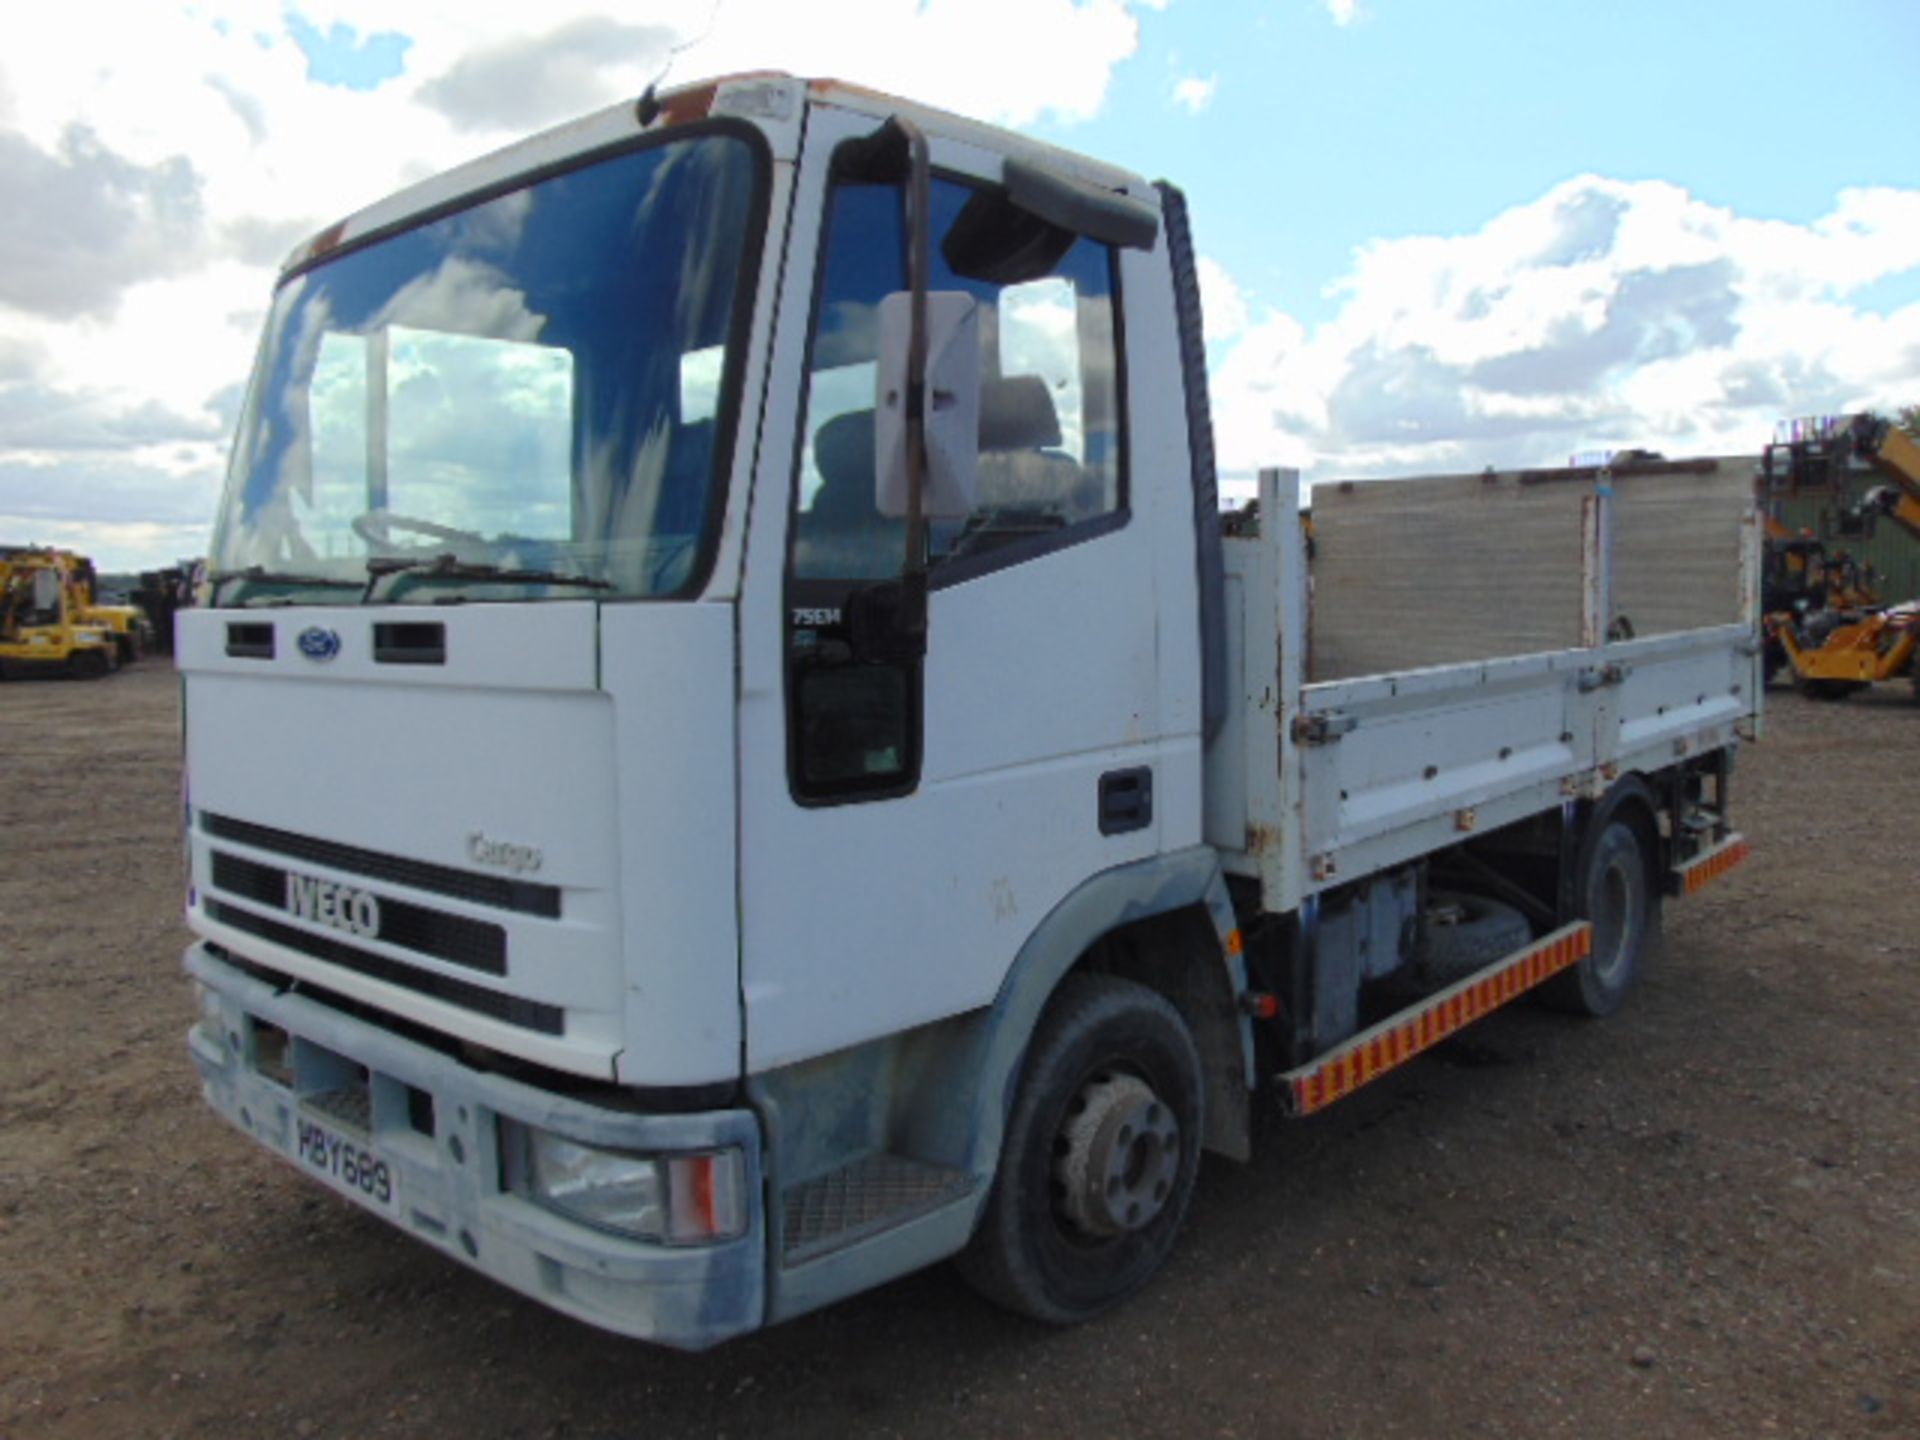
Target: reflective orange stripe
{"points": [[1339, 1073], [1705, 871]]}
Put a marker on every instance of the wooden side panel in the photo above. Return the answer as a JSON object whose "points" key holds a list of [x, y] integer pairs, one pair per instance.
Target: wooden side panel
{"points": [[1676, 547], [1413, 573], [1439, 571]]}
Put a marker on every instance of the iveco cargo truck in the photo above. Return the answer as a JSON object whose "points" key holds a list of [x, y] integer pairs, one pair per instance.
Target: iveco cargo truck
{"points": [[733, 754]]}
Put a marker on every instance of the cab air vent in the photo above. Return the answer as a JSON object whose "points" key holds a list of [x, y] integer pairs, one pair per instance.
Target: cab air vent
{"points": [[250, 642], [419, 643]]}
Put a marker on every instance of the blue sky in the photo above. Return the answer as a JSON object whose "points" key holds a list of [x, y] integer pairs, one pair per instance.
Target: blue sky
{"points": [[1420, 117], [1433, 235]]}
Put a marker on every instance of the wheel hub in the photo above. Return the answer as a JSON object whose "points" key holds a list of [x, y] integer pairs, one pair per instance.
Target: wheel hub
{"points": [[1118, 1155]]}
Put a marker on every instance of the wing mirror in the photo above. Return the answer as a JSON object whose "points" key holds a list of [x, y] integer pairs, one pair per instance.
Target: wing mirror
{"points": [[950, 412]]}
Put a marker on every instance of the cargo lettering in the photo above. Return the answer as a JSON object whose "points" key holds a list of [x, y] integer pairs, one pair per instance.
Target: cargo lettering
{"points": [[520, 859]]}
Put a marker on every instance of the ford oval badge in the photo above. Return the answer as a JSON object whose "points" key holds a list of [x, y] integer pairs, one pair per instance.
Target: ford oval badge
{"points": [[318, 644]]}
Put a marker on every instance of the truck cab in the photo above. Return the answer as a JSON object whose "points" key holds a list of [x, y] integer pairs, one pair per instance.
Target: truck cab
{"points": [[535, 732], [698, 747]]}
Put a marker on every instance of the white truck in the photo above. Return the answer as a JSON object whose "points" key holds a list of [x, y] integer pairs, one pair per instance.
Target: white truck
{"points": [[732, 755]]}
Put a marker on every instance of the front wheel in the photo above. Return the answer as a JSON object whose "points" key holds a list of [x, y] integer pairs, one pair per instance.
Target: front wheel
{"points": [[1099, 1158], [1615, 894]]}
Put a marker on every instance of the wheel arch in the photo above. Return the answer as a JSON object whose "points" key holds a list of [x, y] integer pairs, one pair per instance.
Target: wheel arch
{"points": [[1596, 987], [1632, 798], [1166, 922]]}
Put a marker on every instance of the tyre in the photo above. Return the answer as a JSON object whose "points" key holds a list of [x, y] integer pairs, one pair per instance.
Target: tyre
{"points": [[1465, 932], [1827, 689], [1614, 892], [1099, 1158], [90, 664]]}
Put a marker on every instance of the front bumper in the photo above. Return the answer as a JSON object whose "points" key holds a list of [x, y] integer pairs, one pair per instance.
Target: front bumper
{"points": [[433, 1119]]}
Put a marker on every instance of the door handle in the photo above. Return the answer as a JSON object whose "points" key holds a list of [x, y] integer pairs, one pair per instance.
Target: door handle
{"points": [[1126, 800]]}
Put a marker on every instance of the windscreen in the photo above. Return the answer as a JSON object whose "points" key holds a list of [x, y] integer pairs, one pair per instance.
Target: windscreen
{"points": [[522, 399]]}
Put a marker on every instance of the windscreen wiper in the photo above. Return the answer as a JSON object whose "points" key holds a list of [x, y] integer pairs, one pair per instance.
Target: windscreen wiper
{"points": [[259, 574], [447, 567]]}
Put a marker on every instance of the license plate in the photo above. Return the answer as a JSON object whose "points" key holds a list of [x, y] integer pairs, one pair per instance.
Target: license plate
{"points": [[345, 1164]]}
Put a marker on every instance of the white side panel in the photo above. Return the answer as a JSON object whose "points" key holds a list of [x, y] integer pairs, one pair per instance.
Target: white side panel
{"points": [[865, 918], [1160, 467], [1420, 760], [1670, 694], [669, 670], [1355, 775], [1228, 775], [1436, 744], [1253, 777]]}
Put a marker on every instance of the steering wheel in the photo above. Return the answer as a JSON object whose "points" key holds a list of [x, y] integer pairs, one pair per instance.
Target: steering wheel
{"points": [[376, 527]]}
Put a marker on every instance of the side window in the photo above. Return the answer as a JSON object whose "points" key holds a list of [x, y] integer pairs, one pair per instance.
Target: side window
{"points": [[1050, 457], [1050, 453]]}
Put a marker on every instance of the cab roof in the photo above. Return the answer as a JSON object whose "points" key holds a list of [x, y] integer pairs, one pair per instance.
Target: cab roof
{"points": [[768, 97]]}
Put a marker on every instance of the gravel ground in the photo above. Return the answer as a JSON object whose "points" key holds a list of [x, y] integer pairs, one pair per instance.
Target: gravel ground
{"points": [[1697, 1218]]}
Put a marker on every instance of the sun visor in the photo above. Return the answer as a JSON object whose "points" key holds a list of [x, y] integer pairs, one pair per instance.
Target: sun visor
{"points": [[1091, 210]]}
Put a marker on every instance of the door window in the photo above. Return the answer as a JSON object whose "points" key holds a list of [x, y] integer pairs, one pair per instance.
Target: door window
{"points": [[1051, 457], [1050, 444]]}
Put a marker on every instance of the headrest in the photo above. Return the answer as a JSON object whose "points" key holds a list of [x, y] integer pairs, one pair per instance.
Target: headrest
{"points": [[843, 450], [1016, 413]]}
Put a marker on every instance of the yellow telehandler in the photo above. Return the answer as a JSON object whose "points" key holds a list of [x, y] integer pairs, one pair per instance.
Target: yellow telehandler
{"points": [[1835, 649]]}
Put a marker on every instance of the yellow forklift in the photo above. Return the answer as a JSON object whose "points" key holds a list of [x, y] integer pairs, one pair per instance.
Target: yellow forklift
{"points": [[131, 630], [41, 630], [1836, 647]]}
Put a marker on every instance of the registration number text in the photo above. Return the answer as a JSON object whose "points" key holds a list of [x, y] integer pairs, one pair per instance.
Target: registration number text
{"points": [[352, 1167]]}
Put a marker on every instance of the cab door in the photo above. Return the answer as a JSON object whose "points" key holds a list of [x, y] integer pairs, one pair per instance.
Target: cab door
{"points": [[908, 820]]}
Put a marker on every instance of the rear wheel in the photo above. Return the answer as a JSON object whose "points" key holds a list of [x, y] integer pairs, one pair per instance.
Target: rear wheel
{"points": [[1614, 893], [1099, 1158]]}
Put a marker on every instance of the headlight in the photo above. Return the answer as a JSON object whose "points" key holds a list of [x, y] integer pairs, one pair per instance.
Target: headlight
{"points": [[681, 1199]]}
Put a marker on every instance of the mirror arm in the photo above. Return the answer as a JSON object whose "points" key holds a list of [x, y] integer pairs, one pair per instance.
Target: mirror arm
{"points": [[911, 618]]}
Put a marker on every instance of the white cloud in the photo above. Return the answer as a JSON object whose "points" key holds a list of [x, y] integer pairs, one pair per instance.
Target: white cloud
{"points": [[1195, 93], [1603, 315], [1010, 61], [185, 149], [524, 82], [1222, 306], [117, 546]]}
